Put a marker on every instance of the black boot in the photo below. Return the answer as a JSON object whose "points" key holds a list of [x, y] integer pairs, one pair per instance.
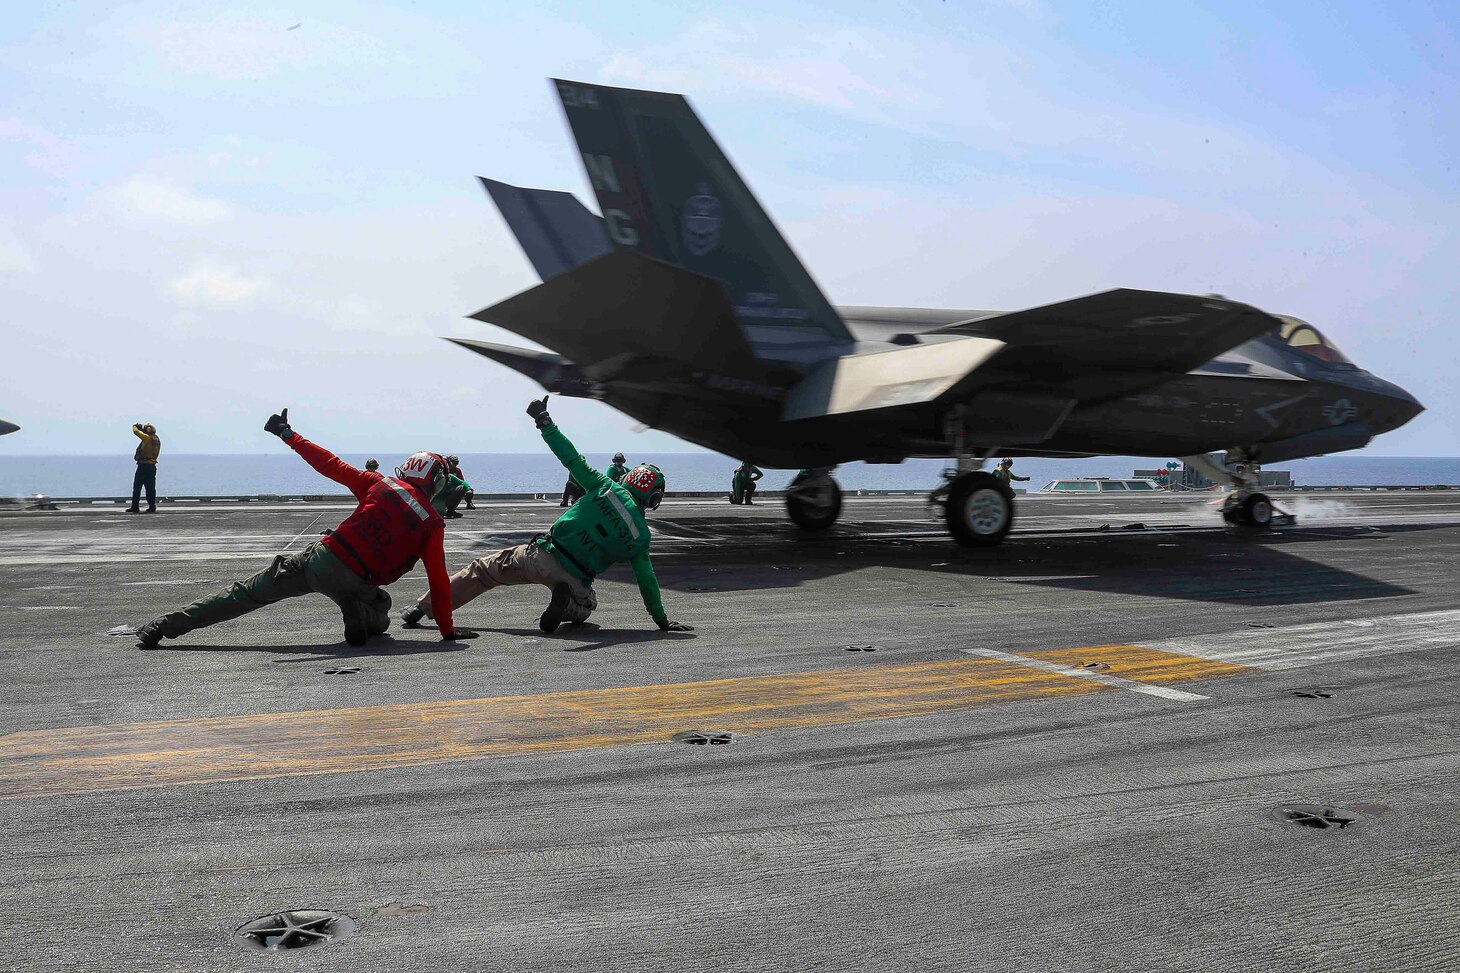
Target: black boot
{"points": [[357, 628], [149, 635], [553, 617]]}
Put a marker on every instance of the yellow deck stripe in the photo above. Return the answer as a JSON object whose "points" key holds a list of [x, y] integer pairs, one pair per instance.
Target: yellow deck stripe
{"points": [[76, 760], [1142, 664]]}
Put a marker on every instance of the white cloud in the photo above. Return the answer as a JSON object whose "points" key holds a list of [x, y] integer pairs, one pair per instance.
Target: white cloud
{"points": [[234, 48], [212, 282], [835, 67], [47, 152], [15, 256], [154, 198]]}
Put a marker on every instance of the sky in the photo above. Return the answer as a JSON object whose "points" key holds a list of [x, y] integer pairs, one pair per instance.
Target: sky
{"points": [[210, 213]]}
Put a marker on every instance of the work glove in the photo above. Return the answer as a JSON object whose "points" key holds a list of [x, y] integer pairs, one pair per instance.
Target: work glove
{"points": [[459, 635], [537, 408], [665, 625], [278, 425]]}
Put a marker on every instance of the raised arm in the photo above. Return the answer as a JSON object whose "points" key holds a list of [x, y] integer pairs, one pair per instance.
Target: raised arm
{"points": [[330, 465], [137, 431], [323, 461], [584, 475]]}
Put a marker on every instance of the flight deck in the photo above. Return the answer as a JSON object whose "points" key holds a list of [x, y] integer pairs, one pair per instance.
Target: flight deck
{"points": [[1129, 738]]}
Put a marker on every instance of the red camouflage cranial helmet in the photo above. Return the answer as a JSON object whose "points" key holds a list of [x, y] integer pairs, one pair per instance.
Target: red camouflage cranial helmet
{"points": [[646, 482], [422, 469]]}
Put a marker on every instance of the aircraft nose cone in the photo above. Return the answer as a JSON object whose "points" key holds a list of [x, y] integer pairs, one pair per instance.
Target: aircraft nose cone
{"points": [[1400, 407], [8, 427]]}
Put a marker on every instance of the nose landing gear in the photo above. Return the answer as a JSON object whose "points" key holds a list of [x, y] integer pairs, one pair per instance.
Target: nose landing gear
{"points": [[1246, 506]]}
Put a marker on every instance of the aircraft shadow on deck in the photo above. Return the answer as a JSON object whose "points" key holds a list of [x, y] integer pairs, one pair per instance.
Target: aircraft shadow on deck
{"points": [[1202, 566]]}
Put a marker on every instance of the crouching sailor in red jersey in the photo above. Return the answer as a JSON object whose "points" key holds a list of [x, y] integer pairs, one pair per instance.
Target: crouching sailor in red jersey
{"points": [[393, 527]]}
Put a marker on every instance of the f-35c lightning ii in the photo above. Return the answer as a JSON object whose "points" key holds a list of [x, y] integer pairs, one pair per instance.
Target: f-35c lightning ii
{"points": [[682, 306]]}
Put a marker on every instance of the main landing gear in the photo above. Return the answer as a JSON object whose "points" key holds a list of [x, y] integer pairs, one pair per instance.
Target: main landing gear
{"points": [[1246, 506], [813, 500], [977, 507]]}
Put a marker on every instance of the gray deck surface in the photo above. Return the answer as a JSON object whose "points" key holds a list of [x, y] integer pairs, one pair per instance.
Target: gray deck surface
{"points": [[1045, 824]]}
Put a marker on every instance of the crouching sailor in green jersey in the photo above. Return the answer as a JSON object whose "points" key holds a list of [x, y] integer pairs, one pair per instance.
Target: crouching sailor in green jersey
{"points": [[605, 527]]}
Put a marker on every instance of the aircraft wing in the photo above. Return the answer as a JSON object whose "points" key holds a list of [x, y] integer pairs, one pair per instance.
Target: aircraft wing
{"points": [[1018, 375], [1123, 329]]}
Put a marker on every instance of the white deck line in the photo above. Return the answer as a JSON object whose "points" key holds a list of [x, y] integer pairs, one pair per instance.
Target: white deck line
{"points": [[1299, 646], [1165, 692]]}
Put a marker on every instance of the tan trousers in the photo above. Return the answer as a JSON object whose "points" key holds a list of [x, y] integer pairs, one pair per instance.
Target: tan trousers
{"points": [[523, 564]]}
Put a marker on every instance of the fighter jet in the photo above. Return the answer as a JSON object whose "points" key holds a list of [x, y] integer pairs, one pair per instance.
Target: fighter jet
{"points": [[8, 427], [681, 305]]}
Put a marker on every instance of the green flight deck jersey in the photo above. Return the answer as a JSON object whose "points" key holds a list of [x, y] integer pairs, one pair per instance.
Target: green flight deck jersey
{"points": [[603, 528], [617, 472]]}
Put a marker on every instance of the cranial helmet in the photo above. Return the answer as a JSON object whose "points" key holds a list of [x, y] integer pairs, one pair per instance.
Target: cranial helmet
{"points": [[618, 457], [424, 470], [372, 464], [646, 483]]}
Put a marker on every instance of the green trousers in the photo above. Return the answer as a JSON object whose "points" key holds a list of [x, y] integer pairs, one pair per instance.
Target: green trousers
{"points": [[742, 488], [364, 606], [449, 499]]}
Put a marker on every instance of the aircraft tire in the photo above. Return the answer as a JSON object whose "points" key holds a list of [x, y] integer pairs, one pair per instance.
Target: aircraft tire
{"points": [[1257, 511], [980, 510], [813, 501]]}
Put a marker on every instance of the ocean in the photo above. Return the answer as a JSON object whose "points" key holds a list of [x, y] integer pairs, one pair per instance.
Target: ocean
{"points": [[285, 473]]}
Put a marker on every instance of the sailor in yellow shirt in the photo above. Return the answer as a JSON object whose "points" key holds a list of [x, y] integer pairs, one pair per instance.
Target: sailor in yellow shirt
{"points": [[146, 457]]}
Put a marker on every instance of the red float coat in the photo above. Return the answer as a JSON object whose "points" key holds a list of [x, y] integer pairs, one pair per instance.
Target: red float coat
{"points": [[394, 526]]}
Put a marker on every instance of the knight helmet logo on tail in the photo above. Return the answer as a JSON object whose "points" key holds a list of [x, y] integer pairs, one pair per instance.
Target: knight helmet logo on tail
{"points": [[701, 221]]}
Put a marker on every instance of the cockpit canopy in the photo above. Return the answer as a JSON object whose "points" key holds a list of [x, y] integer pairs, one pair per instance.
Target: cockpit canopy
{"points": [[1302, 336]]}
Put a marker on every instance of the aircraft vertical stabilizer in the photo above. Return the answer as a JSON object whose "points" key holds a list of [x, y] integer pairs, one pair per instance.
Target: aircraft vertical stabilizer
{"points": [[554, 229], [667, 190]]}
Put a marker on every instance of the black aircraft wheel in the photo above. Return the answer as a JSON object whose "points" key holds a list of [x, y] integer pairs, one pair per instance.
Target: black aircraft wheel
{"points": [[979, 511], [1257, 511], [813, 501]]}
